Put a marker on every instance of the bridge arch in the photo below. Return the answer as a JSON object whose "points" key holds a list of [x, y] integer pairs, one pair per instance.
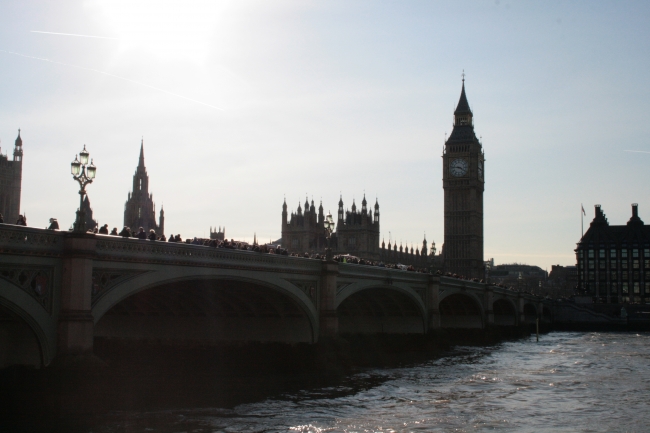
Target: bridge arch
{"points": [[27, 331], [530, 313], [226, 288], [505, 312], [461, 309], [368, 307]]}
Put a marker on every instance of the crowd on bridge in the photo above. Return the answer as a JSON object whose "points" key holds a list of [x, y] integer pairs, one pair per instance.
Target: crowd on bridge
{"points": [[141, 234]]}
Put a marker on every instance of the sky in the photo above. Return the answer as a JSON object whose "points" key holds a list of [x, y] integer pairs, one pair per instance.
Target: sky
{"points": [[243, 103]]}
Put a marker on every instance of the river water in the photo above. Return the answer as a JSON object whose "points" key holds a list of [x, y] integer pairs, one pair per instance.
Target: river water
{"points": [[586, 382]]}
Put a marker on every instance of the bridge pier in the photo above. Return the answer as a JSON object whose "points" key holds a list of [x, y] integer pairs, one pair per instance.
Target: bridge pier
{"points": [[488, 306], [432, 301], [327, 318], [521, 318], [75, 321]]}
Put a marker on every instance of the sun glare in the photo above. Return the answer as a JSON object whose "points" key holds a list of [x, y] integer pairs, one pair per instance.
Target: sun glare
{"points": [[171, 30]]}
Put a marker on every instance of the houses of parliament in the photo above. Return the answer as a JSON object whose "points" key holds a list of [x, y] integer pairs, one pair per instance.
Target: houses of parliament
{"points": [[357, 230]]}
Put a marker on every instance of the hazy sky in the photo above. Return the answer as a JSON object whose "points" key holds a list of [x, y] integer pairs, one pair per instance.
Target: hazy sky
{"points": [[242, 103]]}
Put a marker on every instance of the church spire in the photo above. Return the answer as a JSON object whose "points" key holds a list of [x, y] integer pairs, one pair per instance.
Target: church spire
{"points": [[141, 161]]}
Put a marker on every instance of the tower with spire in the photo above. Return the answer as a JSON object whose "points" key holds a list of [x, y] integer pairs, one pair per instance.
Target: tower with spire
{"points": [[140, 209], [463, 179], [11, 174]]}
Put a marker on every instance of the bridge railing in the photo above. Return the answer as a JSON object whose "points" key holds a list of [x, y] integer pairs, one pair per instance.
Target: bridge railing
{"points": [[20, 239], [131, 249]]}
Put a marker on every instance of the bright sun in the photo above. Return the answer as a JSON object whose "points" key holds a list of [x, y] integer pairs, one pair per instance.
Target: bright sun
{"points": [[171, 30]]}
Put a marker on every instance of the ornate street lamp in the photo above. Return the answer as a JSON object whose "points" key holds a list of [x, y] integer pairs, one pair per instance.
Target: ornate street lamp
{"points": [[84, 174], [329, 228]]}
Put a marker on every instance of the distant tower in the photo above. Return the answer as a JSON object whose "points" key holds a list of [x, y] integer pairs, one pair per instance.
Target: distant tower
{"points": [[463, 180], [139, 209], [88, 212], [11, 174]]}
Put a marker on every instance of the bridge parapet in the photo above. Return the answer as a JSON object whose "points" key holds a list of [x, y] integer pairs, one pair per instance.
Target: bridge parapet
{"points": [[137, 250], [29, 240]]}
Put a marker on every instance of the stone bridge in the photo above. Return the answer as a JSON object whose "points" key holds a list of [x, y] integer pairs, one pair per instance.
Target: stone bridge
{"points": [[59, 291]]}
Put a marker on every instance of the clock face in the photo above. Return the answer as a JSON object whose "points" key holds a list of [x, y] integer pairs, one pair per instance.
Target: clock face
{"points": [[458, 167], [480, 169]]}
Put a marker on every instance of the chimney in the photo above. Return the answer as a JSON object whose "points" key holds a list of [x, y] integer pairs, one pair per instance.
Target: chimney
{"points": [[635, 210]]}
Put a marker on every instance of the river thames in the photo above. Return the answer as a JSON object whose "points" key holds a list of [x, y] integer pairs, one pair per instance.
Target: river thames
{"points": [[586, 382]]}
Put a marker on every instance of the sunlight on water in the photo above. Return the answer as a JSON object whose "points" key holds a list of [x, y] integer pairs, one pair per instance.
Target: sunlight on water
{"points": [[567, 382]]}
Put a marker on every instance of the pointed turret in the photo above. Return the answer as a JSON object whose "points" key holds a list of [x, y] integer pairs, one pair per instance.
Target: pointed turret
{"points": [[463, 105], [364, 204], [354, 206], [141, 161], [284, 213], [19, 140], [376, 211], [18, 150]]}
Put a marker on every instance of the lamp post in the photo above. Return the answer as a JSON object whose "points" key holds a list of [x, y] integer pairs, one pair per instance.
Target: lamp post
{"points": [[329, 228], [84, 174]]}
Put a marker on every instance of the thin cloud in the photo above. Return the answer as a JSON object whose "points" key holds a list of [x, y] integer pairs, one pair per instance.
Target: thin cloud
{"points": [[637, 151], [74, 34], [114, 76]]}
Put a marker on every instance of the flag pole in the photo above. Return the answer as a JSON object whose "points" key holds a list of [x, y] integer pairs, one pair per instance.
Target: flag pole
{"points": [[582, 224]]}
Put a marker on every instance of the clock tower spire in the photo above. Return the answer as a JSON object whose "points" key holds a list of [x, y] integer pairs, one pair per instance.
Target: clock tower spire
{"points": [[463, 181]]}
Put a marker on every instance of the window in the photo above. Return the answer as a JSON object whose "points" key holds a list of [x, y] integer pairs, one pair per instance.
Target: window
{"points": [[591, 264], [294, 243], [612, 253], [647, 288], [646, 253], [140, 183], [601, 264], [591, 254], [614, 289], [635, 264], [602, 254], [635, 275], [624, 275], [591, 275], [581, 254], [636, 288], [624, 288], [624, 253], [614, 277], [623, 264], [612, 264], [352, 242], [635, 253], [646, 263]]}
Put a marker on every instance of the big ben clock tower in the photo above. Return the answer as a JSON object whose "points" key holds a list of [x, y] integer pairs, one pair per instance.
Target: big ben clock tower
{"points": [[463, 179]]}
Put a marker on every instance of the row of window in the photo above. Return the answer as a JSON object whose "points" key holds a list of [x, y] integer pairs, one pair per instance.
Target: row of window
{"points": [[625, 288], [625, 275], [613, 264], [613, 253]]}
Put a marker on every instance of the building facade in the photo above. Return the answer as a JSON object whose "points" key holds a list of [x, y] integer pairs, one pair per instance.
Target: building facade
{"points": [[140, 209], [463, 180], [218, 235], [614, 261], [11, 174], [357, 233], [357, 230]]}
